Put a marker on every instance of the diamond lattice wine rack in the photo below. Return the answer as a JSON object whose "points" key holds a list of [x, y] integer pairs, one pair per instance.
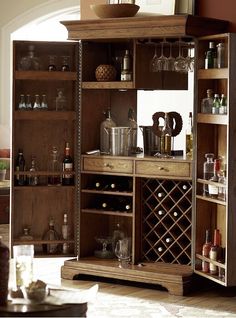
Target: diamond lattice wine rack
{"points": [[166, 224]]}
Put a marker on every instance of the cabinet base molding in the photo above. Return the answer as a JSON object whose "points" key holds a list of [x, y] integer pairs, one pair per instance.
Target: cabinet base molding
{"points": [[175, 278]]}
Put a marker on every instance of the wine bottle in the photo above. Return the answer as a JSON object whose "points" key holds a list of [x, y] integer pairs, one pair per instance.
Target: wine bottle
{"points": [[206, 251], [67, 167], [123, 204], [122, 185], [65, 233], [215, 252]]}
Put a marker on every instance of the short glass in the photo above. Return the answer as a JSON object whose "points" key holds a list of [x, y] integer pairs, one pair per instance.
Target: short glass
{"points": [[23, 258]]}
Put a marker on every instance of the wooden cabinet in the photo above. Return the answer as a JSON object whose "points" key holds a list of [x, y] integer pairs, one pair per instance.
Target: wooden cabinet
{"points": [[36, 132], [160, 221], [215, 134]]}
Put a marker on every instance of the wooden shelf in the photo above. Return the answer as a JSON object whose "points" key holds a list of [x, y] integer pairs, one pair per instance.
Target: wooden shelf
{"points": [[40, 241], [206, 259], [217, 184], [45, 75], [211, 277], [102, 212], [40, 187], [40, 173], [213, 73], [205, 198], [108, 85], [44, 115], [108, 192], [212, 119]]}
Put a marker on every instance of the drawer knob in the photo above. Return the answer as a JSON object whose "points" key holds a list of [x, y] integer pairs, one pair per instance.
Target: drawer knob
{"points": [[161, 168], [108, 165]]}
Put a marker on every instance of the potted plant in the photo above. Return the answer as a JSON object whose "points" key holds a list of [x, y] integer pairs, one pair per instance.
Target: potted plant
{"points": [[3, 169]]}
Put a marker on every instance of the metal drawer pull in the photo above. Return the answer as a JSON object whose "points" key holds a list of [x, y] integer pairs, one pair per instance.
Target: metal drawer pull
{"points": [[108, 165], [161, 168]]}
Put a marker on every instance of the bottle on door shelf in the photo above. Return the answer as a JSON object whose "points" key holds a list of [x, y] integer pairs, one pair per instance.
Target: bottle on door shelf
{"points": [[65, 233], [215, 253], [67, 167], [223, 105], [104, 133], [51, 235], [55, 168], [207, 102], [220, 55], [211, 56], [222, 190], [166, 137], [208, 171], [213, 189], [189, 138], [126, 71], [206, 251], [216, 104], [33, 178], [20, 180], [134, 130]]}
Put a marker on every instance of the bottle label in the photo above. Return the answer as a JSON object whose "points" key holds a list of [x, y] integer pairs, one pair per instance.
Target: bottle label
{"points": [[213, 190], [67, 167]]}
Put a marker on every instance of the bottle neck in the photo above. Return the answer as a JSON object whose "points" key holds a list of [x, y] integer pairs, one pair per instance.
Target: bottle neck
{"points": [[216, 241]]}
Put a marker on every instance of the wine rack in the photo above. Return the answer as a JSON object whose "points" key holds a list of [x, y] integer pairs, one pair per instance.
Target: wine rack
{"points": [[166, 220]]}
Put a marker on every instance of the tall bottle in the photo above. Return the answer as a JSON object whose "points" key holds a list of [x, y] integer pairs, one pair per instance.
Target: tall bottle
{"points": [[166, 137], [65, 233], [214, 189], [67, 167], [134, 130], [104, 131], [189, 138], [223, 105], [211, 56], [206, 251], [33, 178], [55, 168], [126, 71], [51, 235], [20, 166], [216, 104], [4, 272], [207, 102], [215, 253], [208, 171]]}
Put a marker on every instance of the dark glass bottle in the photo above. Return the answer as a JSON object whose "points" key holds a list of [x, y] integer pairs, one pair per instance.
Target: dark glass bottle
{"points": [[205, 251], [67, 167], [123, 204], [4, 272], [20, 166], [210, 58], [122, 185]]}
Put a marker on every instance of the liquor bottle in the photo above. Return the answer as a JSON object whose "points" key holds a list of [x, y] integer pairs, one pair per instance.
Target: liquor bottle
{"points": [[104, 132], [20, 166], [126, 71], [134, 129], [61, 101], [207, 102], [223, 105], [51, 235], [28, 103], [22, 105], [65, 233], [206, 251], [215, 253], [29, 62], [166, 137], [37, 104], [213, 189], [211, 56], [26, 235], [4, 272], [33, 179], [216, 104], [220, 55], [55, 168], [67, 167], [189, 138], [208, 171], [44, 104]]}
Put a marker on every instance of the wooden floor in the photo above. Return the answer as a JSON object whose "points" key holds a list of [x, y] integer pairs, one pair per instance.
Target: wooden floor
{"points": [[203, 296]]}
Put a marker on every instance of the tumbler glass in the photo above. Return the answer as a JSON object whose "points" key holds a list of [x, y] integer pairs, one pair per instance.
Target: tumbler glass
{"points": [[23, 257]]}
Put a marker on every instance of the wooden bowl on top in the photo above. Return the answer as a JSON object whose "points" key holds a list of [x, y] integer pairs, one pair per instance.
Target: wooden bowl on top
{"points": [[115, 10]]}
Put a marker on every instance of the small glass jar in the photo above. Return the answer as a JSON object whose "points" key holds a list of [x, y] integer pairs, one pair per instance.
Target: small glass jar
{"points": [[44, 104], [37, 103], [28, 102], [22, 104], [61, 100]]}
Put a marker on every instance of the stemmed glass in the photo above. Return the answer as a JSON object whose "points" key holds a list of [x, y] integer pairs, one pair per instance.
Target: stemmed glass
{"points": [[181, 64], [170, 60], [162, 62], [190, 59], [153, 63]]}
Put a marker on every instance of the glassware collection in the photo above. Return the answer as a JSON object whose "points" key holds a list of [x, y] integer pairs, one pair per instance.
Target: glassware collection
{"points": [[60, 171], [214, 104]]}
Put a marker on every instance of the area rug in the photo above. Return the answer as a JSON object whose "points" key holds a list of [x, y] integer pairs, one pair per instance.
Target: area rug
{"points": [[112, 306]]}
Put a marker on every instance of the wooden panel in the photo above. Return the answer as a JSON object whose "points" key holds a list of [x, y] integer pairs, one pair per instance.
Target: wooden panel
{"points": [[163, 169], [107, 164], [4, 209]]}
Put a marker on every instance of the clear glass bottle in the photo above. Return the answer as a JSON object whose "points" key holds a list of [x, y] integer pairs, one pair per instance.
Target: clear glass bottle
{"points": [[220, 55], [166, 137], [61, 100], [189, 138], [36, 103], [208, 171], [213, 189], [222, 190], [44, 104], [216, 104], [52, 63], [26, 235], [55, 168], [29, 62], [33, 179], [223, 105], [65, 233], [28, 103], [104, 132], [207, 102], [134, 130], [126, 71], [22, 105], [51, 235], [211, 56], [205, 251]]}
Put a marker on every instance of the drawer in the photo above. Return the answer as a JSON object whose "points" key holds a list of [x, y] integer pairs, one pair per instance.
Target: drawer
{"points": [[108, 165], [163, 169]]}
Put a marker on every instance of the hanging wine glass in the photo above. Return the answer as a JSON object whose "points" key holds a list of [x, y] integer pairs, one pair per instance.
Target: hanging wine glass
{"points": [[170, 60], [162, 61], [153, 62], [180, 61]]}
